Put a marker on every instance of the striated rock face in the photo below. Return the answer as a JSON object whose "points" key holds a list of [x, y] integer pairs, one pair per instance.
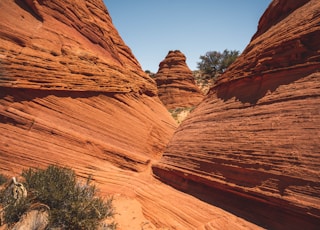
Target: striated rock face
{"points": [[175, 82], [59, 45], [45, 127], [277, 11], [70, 87], [72, 93], [252, 146]]}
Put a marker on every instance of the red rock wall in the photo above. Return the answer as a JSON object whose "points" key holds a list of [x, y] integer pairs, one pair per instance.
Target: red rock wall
{"points": [[66, 45], [252, 146], [70, 88], [176, 85], [72, 93]]}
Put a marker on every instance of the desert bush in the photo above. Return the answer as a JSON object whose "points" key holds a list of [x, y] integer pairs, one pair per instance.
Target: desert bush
{"points": [[151, 74], [214, 63], [3, 179], [176, 113], [13, 210], [73, 205]]}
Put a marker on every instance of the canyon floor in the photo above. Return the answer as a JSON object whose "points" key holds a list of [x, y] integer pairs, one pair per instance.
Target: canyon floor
{"points": [[143, 202]]}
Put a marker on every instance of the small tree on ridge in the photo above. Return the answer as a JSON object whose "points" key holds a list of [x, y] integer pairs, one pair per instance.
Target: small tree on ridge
{"points": [[214, 63]]}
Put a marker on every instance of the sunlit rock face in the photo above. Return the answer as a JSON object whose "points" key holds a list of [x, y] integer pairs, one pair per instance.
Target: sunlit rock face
{"points": [[176, 84], [72, 92], [252, 146], [73, 45]]}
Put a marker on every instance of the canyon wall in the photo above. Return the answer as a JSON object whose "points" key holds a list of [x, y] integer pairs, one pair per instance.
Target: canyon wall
{"points": [[70, 88], [252, 145], [176, 84], [73, 94]]}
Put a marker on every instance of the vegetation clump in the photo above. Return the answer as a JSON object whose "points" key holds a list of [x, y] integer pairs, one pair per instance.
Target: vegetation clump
{"points": [[72, 205], [179, 114], [214, 63], [151, 74], [3, 179]]}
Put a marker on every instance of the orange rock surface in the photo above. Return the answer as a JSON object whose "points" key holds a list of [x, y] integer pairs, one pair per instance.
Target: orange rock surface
{"points": [[253, 145], [73, 45], [68, 81], [176, 84], [73, 94]]}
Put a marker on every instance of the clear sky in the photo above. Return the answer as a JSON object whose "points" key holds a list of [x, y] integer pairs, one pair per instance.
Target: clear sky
{"points": [[153, 27]]}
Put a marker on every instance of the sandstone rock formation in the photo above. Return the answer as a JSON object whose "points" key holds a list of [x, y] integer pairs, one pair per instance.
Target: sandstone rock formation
{"points": [[69, 84], [72, 93], [176, 85], [252, 146], [72, 45]]}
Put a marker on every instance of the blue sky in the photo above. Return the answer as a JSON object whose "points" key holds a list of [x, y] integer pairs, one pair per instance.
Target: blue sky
{"points": [[152, 27]]}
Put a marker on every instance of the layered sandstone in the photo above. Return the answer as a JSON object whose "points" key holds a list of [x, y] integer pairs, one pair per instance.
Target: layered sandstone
{"points": [[252, 146], [59, 45], [176, 84], [73, 94], [67, 80]]}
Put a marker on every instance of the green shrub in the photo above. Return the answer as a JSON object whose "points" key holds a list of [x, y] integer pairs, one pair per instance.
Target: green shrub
{"points": [[3, 179], [214, 63], [14, 210], [73, 205]]}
